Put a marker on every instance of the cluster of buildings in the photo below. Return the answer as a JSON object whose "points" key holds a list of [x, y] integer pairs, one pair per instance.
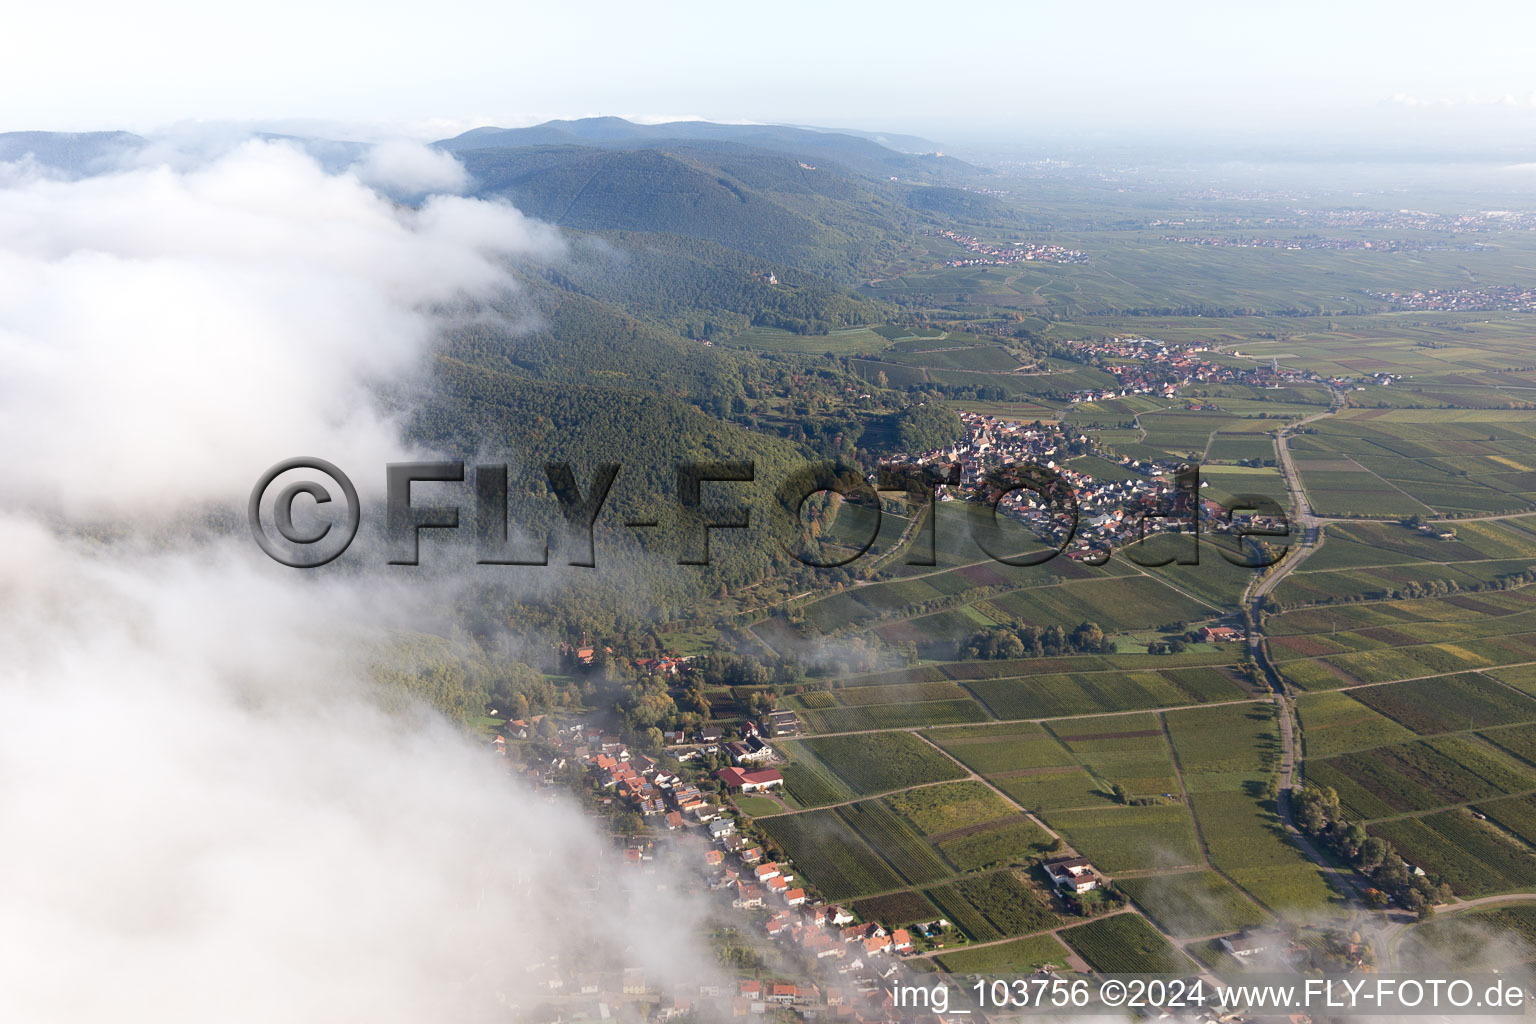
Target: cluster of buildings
{"points": [[1313, 242], [1358, 219], [1110, 513], [987, 254], [710, 741], [642, 785], [1505, 298], [662, 665], [854, 960], [1160, 369]]}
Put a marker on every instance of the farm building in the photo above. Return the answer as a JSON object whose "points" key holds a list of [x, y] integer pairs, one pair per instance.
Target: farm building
{"points": [[1244, 944], [1074, 874], [750, 781]]}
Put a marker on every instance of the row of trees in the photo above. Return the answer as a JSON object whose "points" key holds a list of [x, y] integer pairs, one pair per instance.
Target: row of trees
{"points": [[1319, 815], [1030, 641]]}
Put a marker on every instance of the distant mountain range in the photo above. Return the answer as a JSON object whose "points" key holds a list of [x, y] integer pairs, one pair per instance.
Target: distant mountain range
{"points": [[77, 153]]}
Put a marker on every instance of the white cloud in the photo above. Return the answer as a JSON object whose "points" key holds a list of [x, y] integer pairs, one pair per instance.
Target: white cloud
{"points": [[208, 812], [404, 168], [207, 816], [169, 334]]}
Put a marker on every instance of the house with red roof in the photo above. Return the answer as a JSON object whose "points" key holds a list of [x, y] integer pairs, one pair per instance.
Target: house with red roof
{"points": [[750, 781]]}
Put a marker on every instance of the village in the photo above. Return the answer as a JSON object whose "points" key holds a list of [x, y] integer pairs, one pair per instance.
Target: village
{"points": [[1110, 515], [834, 966], [1506, 298], [826, 963], [989, 255], [1338, 244]]}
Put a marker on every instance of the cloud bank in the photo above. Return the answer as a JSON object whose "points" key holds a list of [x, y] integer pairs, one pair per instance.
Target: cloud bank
{"points": [[169, 334], [208, 812]]}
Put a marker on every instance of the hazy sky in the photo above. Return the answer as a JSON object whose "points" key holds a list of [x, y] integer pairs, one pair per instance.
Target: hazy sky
{"points": [[1014, 68]]}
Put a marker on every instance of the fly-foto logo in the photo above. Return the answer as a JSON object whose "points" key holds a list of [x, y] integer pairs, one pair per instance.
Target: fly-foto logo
{"points": [[1037, 499]]}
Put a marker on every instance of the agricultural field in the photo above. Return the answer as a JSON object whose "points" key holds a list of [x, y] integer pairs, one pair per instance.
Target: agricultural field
{"points": [[938, 810], [895, 841], [1519, 740], [1449, 703], [892, 715], [993, 906], [1336, 723], [830, 854], [1406, 461], [958, 911], [808, 781], [1064, 694], [1118, 604], [1126, 944], [1120, 839], [1231, 738], [1020, 957], [896, 909], [1193, 903], [1474, 857], [1046, 789], [993, 749], [1515, 815], [1128, 750], [851, 341], [880, 762], [1228, 756], [998, 844], [1488, 937], [1422, 775], [1006, 902]]}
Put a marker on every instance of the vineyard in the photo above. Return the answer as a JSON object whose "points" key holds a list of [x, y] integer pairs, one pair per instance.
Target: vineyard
{"points": [[1195, 903], [1005, 844], [1125, 944], [880, 762], [896, 909], [830, 854], [1449, 703], [935, 810], [967, 918], [1004, 748], [894, 840], [1020, 956], [1472, 856], [1006, 903], [892, 716]]}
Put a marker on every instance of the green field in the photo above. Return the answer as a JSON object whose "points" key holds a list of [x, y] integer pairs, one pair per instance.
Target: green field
{"points": [[1334, 723], [1021, 956], [953, 807], [1120, 839], [896, 909], [880, 762], [895, 841], [831, 855], [1193, 903], [1474, 857], [993, 906], [1126, 944]]}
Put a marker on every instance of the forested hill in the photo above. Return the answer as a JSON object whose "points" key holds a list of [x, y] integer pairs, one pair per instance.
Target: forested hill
{"points": [[858, 153], [478, 412], [803, 209]]}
